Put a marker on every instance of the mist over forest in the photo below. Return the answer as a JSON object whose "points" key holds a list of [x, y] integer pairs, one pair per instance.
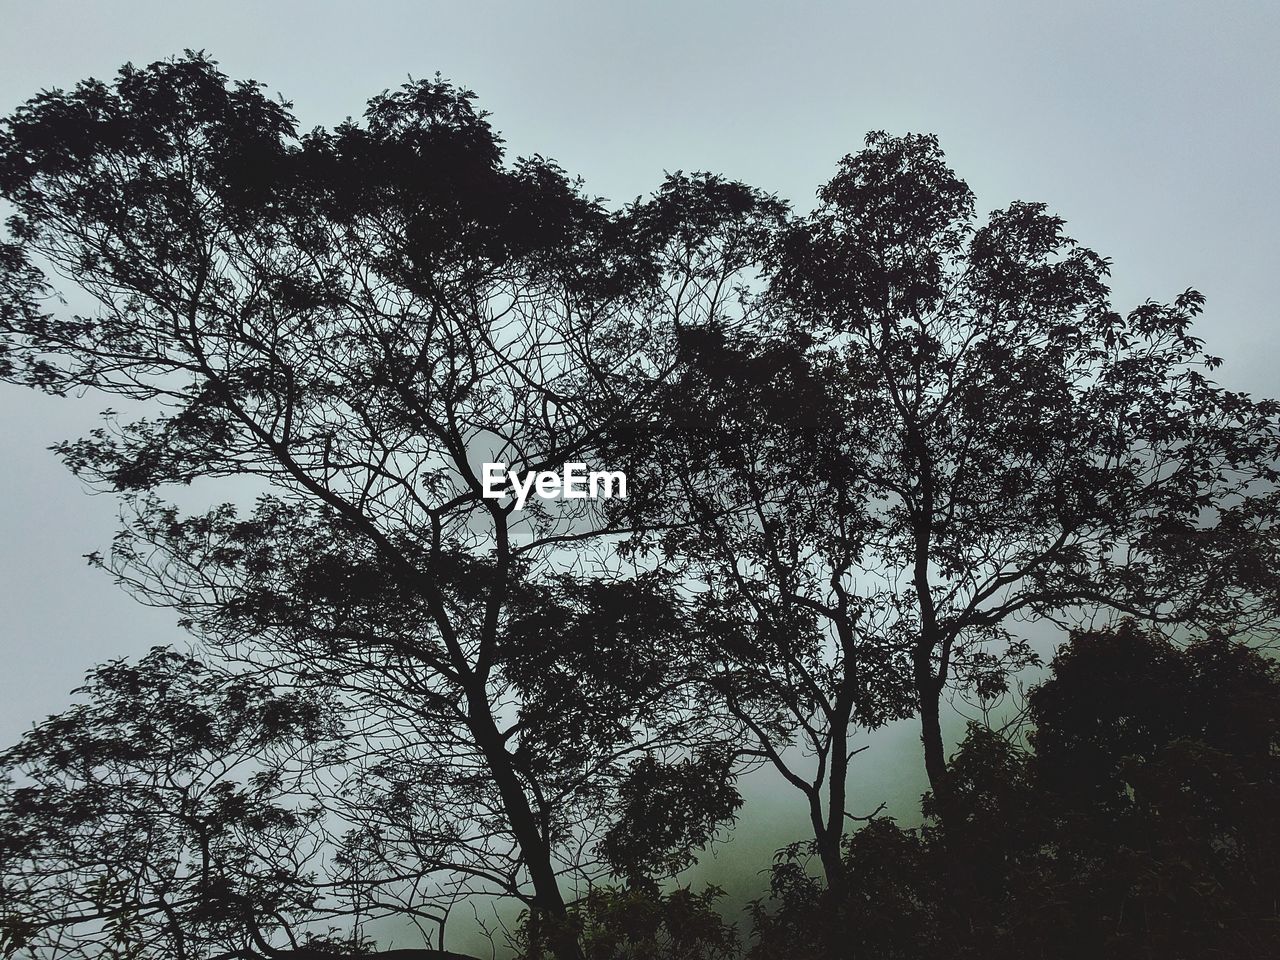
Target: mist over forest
{"points": [[714, 574]]}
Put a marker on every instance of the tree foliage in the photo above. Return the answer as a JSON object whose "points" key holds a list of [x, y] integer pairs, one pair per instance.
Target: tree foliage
{"points": [[863, 446], [169, 814], [1139, 824], [353, 320], [934, 428]]}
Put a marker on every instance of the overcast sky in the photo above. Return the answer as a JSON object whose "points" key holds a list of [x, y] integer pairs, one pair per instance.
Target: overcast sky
{"points": [[1152, 127]]}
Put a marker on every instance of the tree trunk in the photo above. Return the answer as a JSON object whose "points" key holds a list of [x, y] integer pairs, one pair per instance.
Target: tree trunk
{"points": [[547, 900], [935, 758], [830, 834], [829, 854]]}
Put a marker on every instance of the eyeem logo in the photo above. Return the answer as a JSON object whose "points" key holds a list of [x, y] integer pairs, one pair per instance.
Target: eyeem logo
{"points": [[574, 483]]}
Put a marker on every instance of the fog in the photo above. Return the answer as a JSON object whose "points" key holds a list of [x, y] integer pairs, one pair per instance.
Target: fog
{"points": [[1153, 129]]}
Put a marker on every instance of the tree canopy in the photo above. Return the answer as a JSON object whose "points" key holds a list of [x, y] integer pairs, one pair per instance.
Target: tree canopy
{"points": [[355, 320], [938, 428], [863, 446]]}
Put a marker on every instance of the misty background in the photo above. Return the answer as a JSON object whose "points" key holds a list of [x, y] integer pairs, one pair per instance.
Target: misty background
{"points": [[1154, 130]]}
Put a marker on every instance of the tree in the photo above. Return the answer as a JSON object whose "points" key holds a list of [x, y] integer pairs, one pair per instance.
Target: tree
{"points": [[182, 811], [349, 322], [861, 444], [1026, 449], [932, 429], [1140, 823], [746, 469]]}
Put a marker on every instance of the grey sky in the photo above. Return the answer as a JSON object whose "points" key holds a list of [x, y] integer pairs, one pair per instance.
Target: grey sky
{"points": [[1152, 127]]}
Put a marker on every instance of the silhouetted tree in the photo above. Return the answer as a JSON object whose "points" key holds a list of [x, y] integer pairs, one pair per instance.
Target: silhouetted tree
{"points": [[931, 429], [182, 811], [1142, 824], [747, 465], [1021, 448], [861, 444], [353, 320]]}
